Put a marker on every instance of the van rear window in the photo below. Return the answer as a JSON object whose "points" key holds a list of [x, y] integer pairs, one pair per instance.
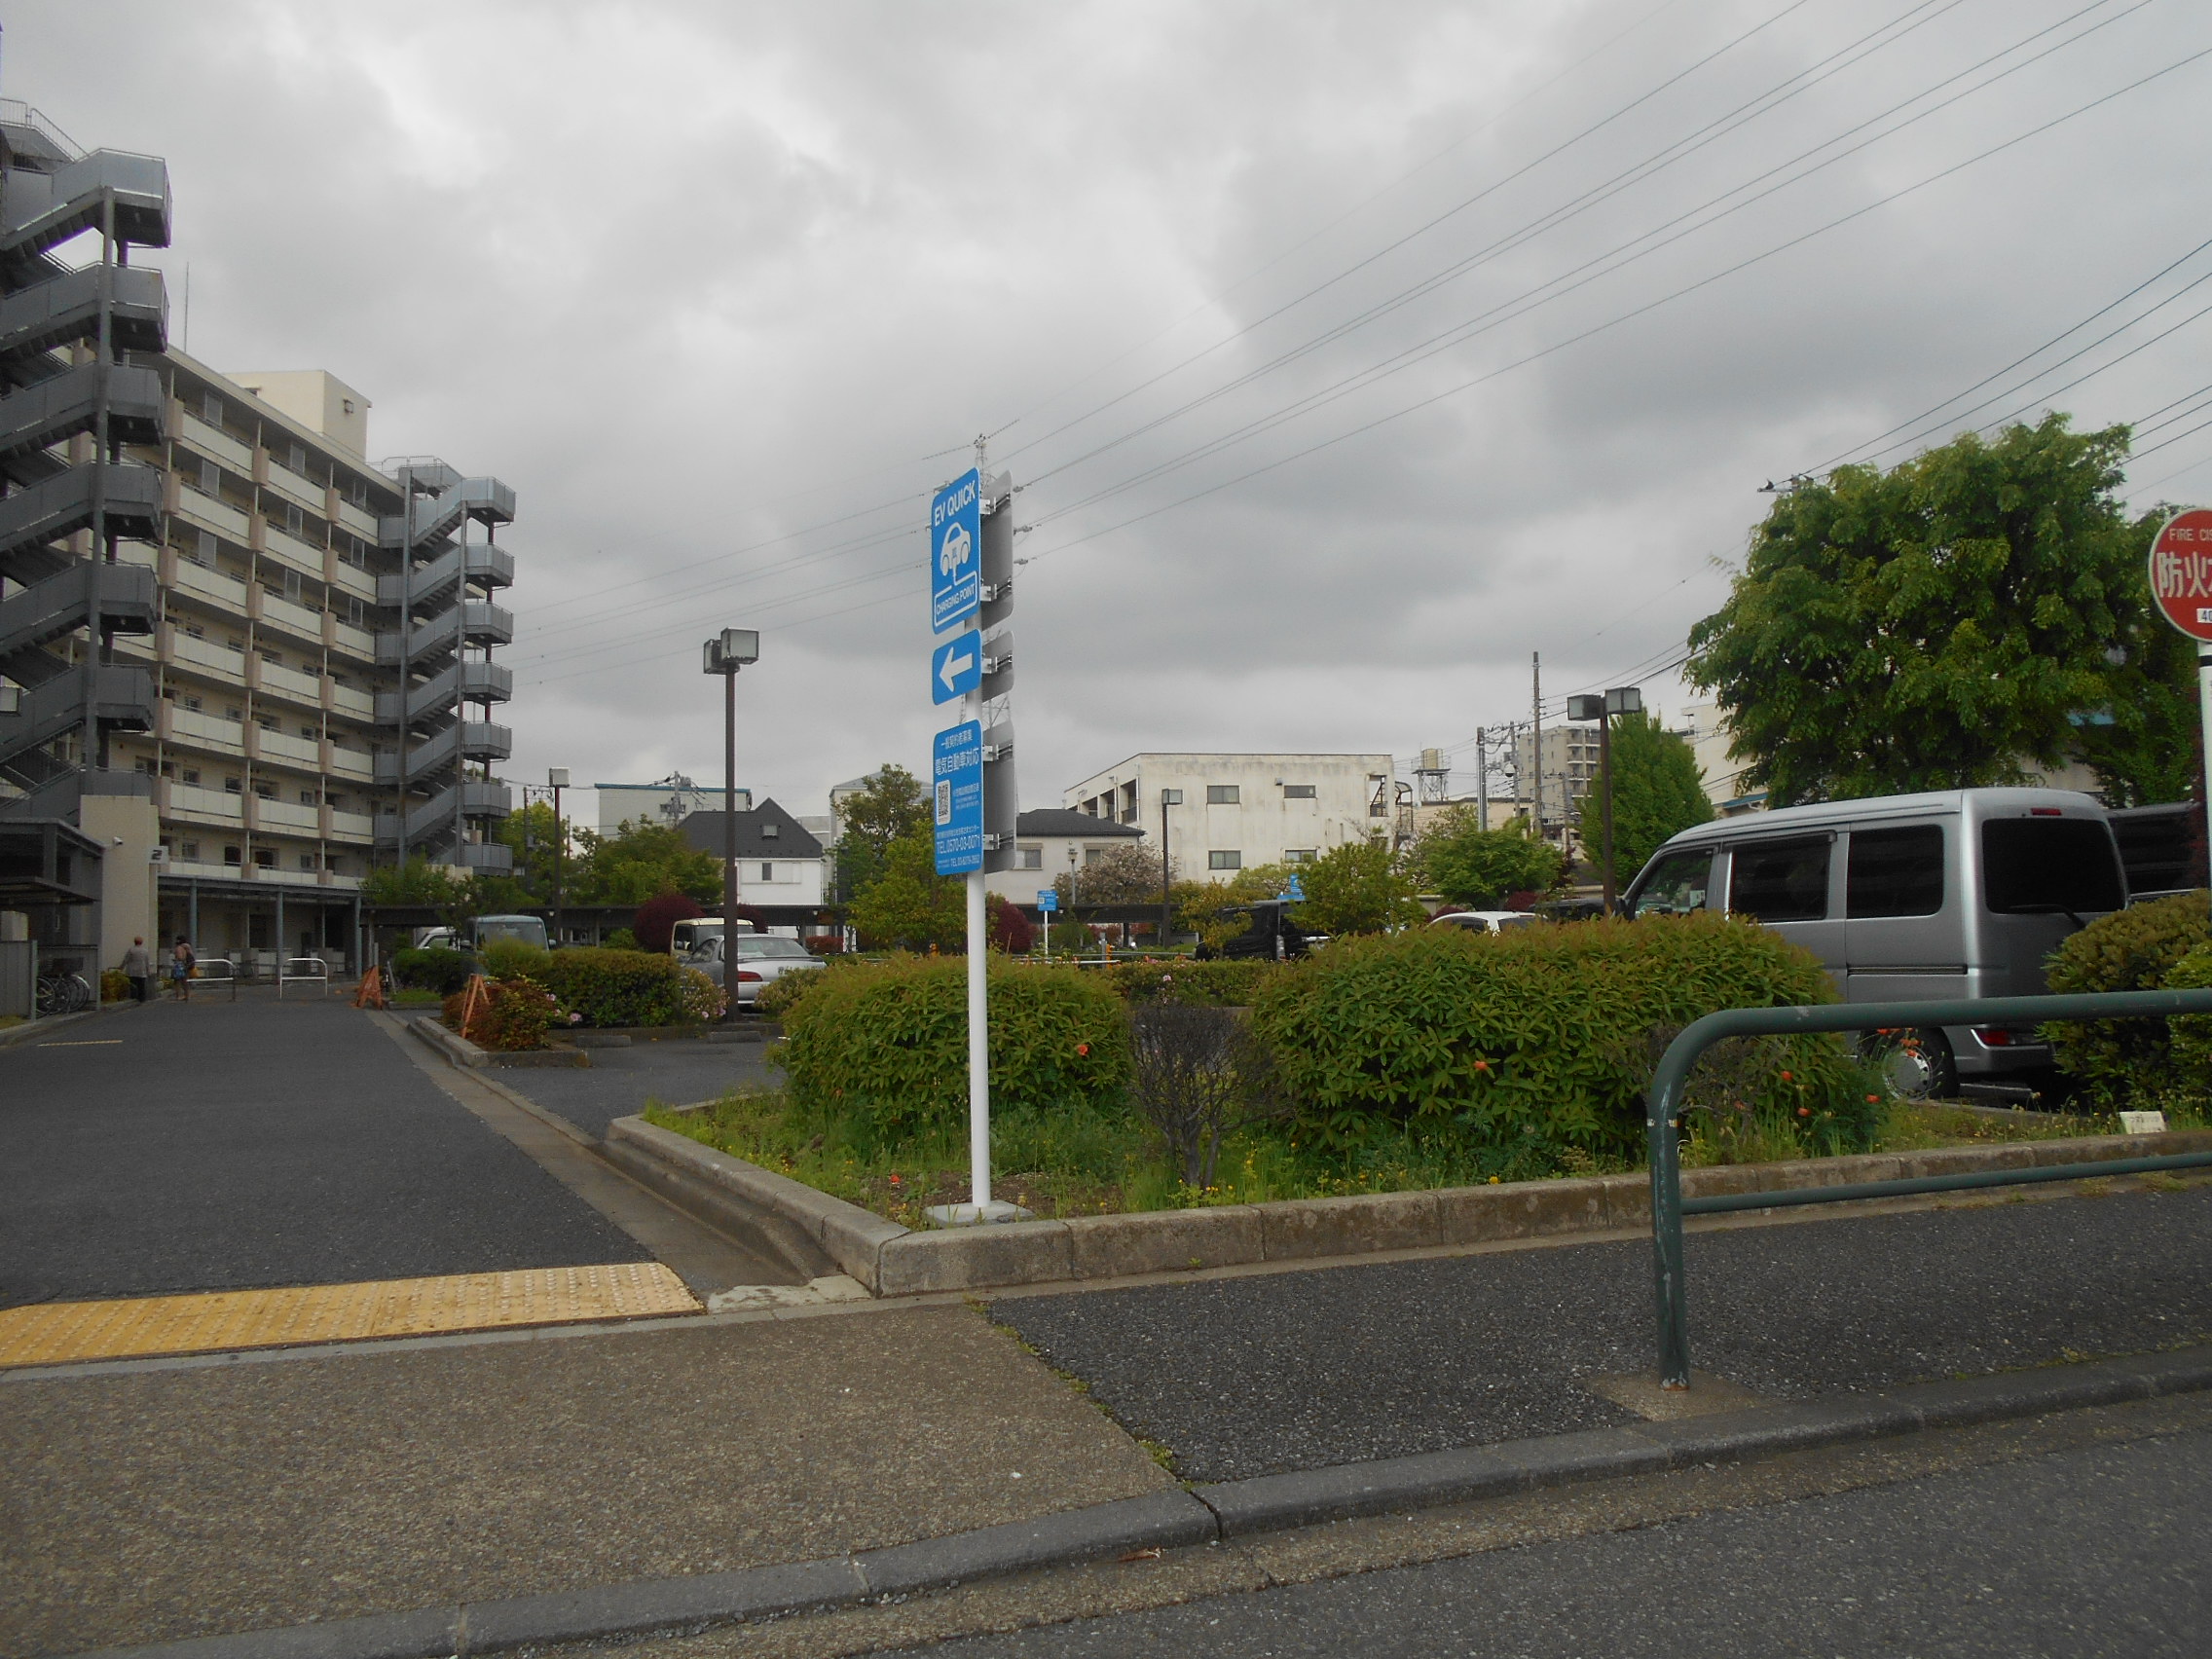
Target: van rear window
{"points": [[2037, 865], [1896, 873], [1781, 881]]}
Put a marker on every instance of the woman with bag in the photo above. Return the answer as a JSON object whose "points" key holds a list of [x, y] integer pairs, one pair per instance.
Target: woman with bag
{"points": [[181, 964]]}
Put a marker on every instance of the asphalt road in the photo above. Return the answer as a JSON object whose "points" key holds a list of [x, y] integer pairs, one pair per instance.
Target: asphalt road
{"points": [[1251, 1375], [220, 1145], [620, 1081], [2075, 1554]]}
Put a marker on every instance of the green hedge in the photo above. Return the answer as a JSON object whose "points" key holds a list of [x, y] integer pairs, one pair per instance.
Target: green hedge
{"points": [[442, 971], [1538, 1039], [2135, 949], [628, 987], [884, 1045], [1201, 984]]}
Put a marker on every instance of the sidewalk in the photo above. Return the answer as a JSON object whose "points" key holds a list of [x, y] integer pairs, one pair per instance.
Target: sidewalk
{"points": [[154, 1501]]}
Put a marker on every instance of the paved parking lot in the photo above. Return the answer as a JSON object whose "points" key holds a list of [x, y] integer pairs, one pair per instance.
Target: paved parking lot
{"points": [[620, 1081], [220, 1145], [1249, 1375]]}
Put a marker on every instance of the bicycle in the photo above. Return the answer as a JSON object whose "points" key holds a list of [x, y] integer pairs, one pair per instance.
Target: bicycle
{"points": [[63, 992]]}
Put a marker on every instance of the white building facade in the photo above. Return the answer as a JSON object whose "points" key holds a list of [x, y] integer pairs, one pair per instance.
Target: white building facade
{"points": [[1222, 813]]}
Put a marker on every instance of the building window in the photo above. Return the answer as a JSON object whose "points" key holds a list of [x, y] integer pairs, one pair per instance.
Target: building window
{"points": [[1092, 855], [267, 722], [337, 803], [1225, 860], [309, 733], [211, 409], [264, 792], [770, 832], [233, 712], [146, 764], [1298, 792], [235, 785], [264, 857], [237, 645], [767, 872], [205, 550], [295, 521], [169, 768], [193, 703], [1224, 795], [192, 776], [194, 631], [190, 850], [273, 660], [307, 797], [231, 855], [298, 459], [1029, 858], [210, 478], [1298, 855], [307, 861]]}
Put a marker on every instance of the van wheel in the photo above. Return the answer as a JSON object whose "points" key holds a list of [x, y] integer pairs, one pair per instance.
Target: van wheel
{"points": [[1915, 1064]]}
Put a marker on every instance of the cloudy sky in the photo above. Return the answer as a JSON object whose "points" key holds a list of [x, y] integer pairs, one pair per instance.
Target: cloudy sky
{"points": [[1346, 356]]}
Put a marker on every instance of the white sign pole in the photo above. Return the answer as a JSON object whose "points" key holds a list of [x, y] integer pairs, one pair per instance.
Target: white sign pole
{"points": [[979, 1045], [2205, 720]]}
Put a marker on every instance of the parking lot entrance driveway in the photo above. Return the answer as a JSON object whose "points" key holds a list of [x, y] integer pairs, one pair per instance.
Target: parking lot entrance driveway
{"points": [[218, 1145], [620, 1083]]}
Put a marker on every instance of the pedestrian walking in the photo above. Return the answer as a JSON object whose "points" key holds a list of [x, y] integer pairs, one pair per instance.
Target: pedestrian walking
{"points": [[139, 968], [181, 964]]}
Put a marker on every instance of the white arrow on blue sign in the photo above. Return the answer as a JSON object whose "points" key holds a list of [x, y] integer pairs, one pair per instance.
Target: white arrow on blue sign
{"points": [[956, 778], [956, 551], [956, 667]]}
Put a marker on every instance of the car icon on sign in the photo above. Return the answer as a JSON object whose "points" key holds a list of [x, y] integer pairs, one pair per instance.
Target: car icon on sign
{"points": [[955, 549]]}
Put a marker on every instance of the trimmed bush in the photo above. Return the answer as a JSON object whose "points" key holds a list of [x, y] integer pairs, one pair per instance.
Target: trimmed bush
{"points": [[1195, 983], [884, 1045], [514, 1014], [438, 970], [115, 985], [628, 987], [1534, 1042], [2134, 949]]}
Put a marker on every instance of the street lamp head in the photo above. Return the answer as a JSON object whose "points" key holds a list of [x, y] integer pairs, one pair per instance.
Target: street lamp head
{"points": [[731, 649], [1170, 797], [1586, 707], [1624, 700], [557, 777]]}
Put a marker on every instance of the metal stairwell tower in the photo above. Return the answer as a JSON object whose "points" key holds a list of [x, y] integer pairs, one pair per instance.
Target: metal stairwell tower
{"points": [[438, 633], [71, 399]]}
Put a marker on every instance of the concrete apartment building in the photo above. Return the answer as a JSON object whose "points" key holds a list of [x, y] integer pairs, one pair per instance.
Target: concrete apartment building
{"points": [[1229, 812], [245, 662]]}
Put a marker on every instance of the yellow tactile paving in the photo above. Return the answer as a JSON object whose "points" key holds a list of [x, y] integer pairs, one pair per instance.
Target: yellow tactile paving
{"points": [[60, 1332]]}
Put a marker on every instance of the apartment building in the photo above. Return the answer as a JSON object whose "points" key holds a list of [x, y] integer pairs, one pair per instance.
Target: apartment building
{"points": [[1222, 813], [250, 661]]}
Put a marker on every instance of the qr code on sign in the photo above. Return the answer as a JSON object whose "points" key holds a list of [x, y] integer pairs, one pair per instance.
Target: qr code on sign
{"points": [[944, 803]]}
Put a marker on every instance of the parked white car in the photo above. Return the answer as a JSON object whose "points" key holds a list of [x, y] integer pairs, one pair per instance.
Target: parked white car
{"points": [[760, 958], [1484, 921]]}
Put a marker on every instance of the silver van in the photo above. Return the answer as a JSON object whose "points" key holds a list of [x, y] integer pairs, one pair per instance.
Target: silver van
{"points": [[1958, 894]]}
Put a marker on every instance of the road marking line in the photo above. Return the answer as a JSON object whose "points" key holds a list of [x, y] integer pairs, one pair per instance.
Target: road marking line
{"points": [[60, 1332], [85, 1043]]}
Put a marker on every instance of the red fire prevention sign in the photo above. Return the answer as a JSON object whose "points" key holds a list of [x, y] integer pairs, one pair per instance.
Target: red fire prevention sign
{"points": [[2181, 571]]}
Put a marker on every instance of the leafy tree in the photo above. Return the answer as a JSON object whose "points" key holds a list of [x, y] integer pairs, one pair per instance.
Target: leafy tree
{"points": [[890, 802], [639, 860], [1204, 907], [1360, 887], [1010, 930], [1124, 873], [1657, 792], [654, 923], [1980, 609], [909, 904], [531, 835], [420, 883], [1477, 867]]}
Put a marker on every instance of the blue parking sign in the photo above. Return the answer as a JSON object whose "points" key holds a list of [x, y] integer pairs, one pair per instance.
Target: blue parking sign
{"points": [[1049, 899], [956, 551], [956, 779]]}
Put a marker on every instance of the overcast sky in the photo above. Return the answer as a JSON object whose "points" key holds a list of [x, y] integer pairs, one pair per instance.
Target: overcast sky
{"points": [[1346, 356]]}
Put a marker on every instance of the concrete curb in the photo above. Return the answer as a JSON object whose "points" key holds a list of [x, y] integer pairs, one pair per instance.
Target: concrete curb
{"points": [[461, 1051], [892, 1260], [1207, 1514]]}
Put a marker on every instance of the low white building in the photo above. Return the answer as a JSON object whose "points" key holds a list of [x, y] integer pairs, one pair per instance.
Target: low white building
{"points": [[781, 867], [1053, 842], [1222, 813]]}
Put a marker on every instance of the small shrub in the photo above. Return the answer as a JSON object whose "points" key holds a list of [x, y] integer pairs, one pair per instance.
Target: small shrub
{"points": [[621, 939], [1197, 1074], [1010, 930], [2134, 949], [884, 1046], [115, 985], [777, 997], [513, 1014], [1195, 983], [513, 959], [442, 971], [1530, 1041]]}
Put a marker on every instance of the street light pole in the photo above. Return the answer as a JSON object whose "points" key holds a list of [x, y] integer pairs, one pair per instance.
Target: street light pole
{"points": [[1167, 798], [1619, 700], [724, 654], [558, 778]]}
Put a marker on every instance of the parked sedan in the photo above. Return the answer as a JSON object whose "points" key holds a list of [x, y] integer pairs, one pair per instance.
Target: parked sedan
{"points": [[760, 957], [1482, 921]]}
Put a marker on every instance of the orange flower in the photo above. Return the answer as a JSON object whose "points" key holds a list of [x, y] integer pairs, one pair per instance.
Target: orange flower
{"points": [[1804, 1111], [1083, 1048], [1785, 1077], [1481, 1065]]}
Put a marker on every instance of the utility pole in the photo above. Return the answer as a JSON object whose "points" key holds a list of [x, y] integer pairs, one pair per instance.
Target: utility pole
{"points": [[1482, 776], [1167, 798], [558, 778], [1536, 744], [724, 654]]}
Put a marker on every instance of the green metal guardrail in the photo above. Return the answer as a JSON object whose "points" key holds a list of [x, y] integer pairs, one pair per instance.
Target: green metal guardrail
{"points": [[1663, 1110]]}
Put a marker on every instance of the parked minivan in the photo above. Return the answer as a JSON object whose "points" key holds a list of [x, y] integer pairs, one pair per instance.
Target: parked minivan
{"points": [[1903, 897]]}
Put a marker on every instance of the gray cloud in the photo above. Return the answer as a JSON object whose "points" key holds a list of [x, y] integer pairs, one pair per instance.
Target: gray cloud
{"points": [[696, 278]]}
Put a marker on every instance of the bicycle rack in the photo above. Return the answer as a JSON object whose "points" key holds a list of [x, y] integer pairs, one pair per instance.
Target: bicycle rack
{"points": [[229, 973], [301, 970]]}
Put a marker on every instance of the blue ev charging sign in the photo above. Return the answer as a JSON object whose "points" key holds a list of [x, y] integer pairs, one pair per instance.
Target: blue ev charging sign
{"points": [[956, 551]]}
